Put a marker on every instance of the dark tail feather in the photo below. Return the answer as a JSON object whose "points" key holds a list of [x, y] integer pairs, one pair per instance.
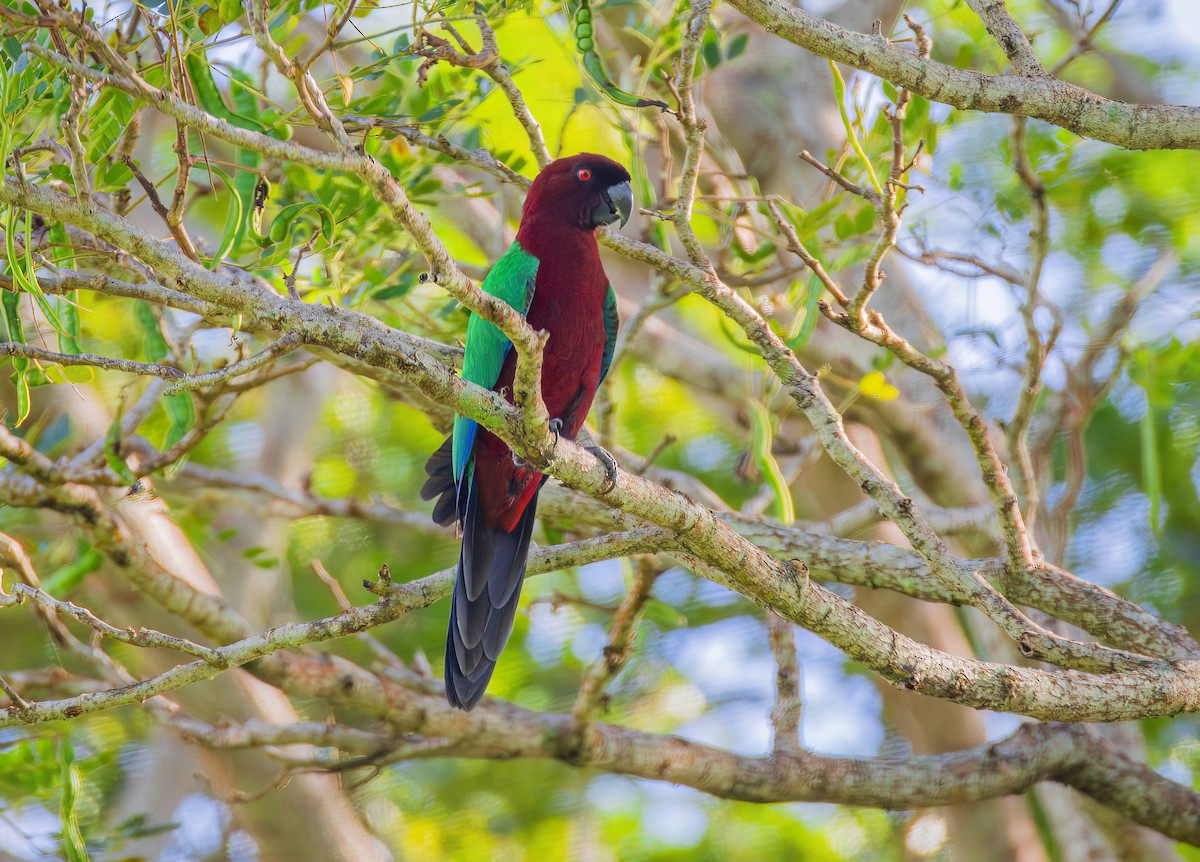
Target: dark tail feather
{"points": [[441, 484], [487, 589]]}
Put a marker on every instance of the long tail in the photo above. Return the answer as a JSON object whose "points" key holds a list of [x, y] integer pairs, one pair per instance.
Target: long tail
{"points": [[491, 568], [441, 485]]}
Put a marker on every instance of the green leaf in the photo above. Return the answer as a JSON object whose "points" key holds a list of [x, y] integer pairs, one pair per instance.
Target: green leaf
{"points": [[1151, 472], [930, 134], [839, 89], [108, 119], [763, 431], [24, 271], [182, 414], [112, 444], [664, 616], [438, 111], [864, 220], [68, 339], [242, 186], [817, 217], [34, 375], [236, 215], [806, 319], [68, 374], [22, 386], [765, 249], [114, 176], [397, 289], [65, 579], [737, 45], [14, 331], [154, 344], [281, 225], [61, 251], [735, 337], [710, 48], [844, 226], [209, 20], [74, 848]]}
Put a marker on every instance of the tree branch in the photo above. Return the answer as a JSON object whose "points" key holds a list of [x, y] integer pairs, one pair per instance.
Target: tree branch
{"points": [[1035, 752], [154, 369], [1138, 127], [616, 654], [785, 716], [1009, 35]]}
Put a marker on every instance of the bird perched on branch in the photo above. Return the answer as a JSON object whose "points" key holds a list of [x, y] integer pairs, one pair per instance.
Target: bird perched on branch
{"points": [[551, 274]]}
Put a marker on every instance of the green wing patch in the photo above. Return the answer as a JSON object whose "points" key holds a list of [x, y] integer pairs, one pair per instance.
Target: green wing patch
{"points": [[511, 279], [611, 322]]}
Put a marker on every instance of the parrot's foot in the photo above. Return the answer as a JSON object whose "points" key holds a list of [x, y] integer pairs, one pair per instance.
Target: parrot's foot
{"points": [[610, 466], [555, 428]]}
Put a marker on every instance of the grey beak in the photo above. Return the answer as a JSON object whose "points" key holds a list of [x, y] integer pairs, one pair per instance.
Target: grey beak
{"points": [[616, 205]]}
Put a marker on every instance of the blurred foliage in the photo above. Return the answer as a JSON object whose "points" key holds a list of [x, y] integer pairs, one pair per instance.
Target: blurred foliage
{"points": [[1135, 528]]}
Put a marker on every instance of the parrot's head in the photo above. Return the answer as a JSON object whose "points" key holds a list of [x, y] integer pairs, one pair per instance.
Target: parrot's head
{"points": [[585, 191]]}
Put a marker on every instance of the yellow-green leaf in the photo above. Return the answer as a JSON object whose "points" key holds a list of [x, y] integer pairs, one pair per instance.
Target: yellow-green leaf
{"points": [[69, 373], [875, 385]]}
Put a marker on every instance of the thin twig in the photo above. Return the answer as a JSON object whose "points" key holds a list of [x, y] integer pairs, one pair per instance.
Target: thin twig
{"points": [[984, 267], [142, 637], [153, 369], [70, 127], [270, 353], [616, 653], [1086, 42], [785, 715], [192, 438], [499, 73], [1009, 35], [174, 225], [333, 29], [20, 703], [693, 131], [850, 186], [1035, 351], [796, 247], [479, 158]]}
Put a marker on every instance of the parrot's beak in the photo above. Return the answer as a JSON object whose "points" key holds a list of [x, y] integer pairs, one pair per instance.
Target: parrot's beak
{"points": [[616, 205]]}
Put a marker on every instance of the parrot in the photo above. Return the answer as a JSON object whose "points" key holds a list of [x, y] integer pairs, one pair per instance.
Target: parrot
{"points": [[552, 274]]}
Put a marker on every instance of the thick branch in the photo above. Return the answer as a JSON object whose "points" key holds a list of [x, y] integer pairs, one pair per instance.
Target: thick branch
{"points": [[1138, 127], [398, 600], [1036, 752]]}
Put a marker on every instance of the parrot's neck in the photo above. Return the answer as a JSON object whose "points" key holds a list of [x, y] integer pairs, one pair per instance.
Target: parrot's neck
{"points": [[557, 244]]}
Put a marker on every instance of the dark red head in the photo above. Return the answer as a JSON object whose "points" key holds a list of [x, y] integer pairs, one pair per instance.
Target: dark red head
{"points": [[583, 191]]}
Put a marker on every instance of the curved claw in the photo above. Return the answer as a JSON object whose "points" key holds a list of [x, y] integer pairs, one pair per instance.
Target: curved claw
{"points": [[555, 428], [610, 466]]}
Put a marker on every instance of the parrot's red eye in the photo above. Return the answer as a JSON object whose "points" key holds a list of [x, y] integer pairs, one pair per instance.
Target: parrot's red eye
{"points": [[584, 174]]}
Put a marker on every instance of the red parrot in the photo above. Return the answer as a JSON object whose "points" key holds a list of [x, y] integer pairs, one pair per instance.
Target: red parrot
{"points": [[552, 274]]}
